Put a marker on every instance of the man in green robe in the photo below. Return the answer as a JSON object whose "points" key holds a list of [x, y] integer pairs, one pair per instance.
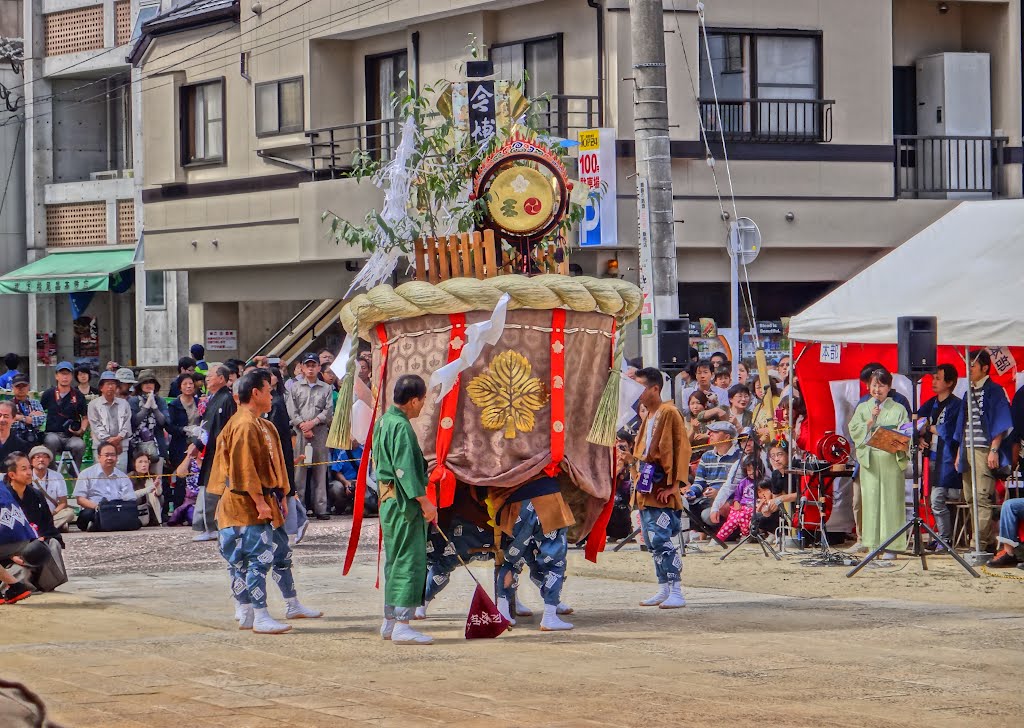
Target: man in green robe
{"points": [[405, 511]]}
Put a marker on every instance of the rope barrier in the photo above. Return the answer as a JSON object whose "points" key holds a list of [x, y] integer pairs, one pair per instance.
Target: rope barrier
{"points": [[1013, 577]]}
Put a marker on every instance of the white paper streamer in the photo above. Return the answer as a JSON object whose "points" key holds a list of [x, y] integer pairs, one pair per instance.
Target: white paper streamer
{"points": [[477, 336], [629, 392]]}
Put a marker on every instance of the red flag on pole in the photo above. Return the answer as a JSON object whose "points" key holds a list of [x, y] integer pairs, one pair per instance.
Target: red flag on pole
{"points": [[484, 620]]}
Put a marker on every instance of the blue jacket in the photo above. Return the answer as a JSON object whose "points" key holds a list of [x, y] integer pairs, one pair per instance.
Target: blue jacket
{"points": [[995, 415], [945, 467], [14, 524]]}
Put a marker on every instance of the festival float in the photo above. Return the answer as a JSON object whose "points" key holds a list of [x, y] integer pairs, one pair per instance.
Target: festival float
{"points": [[523, 360]]}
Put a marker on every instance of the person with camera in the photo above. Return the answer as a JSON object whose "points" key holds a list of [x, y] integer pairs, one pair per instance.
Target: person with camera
{"points": [[662, 462], [101, 483], [67, 416], [29, 415]]}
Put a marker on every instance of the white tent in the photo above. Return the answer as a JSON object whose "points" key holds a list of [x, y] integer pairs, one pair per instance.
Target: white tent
{"points": [[966, 269]]}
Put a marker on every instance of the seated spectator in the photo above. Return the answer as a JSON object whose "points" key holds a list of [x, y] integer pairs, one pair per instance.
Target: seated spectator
{"points": [[1011, 516], [147, 490], [9, 442], [11, 361], [67, 416], [712, 472], [14, 590], [20, 544], [149, 420], [19, 479], [101, 482], [739, 413], [111, 417], [723, 378], [186, 368], [696, 423], [741, 504], [83, 380], [29, 416], [52, 486]]}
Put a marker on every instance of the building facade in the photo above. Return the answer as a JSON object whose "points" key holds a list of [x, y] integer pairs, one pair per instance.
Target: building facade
{"points": [[88, 294], [13, 309], [251, 114]]}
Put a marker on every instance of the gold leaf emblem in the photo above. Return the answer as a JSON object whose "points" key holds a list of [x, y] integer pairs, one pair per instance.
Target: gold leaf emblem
{"points": [[508, 394]]}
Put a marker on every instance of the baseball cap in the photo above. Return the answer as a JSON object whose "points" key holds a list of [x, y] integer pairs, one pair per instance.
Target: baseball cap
{"points": [[19, 379], [108, 377], [310, 357], [726, 427], [65, 365], [125, 376]]}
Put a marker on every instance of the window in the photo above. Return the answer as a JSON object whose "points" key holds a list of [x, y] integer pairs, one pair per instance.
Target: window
{"points": [[768, 84], [146, 13], [279, 107], [386, 77], [155, 291], [202, 123], [537, 64]]}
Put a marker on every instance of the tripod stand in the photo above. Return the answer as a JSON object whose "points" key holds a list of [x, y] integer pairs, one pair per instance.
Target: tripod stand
{"points": [[753, 535], [916, 522]]}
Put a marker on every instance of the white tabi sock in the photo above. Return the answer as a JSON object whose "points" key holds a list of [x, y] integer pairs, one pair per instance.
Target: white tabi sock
{"points": [[503, 608], [551, 622], [658, 598]]}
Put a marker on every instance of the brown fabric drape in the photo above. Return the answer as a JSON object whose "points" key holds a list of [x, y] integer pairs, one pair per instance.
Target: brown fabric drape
{"points": [[479, 456]]}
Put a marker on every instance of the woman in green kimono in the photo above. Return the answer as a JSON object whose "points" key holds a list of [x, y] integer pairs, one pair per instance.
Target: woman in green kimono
{"points": [[882, 488]]}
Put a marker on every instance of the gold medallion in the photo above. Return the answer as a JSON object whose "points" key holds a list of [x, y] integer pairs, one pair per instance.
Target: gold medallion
{"points": [[508, 394]]}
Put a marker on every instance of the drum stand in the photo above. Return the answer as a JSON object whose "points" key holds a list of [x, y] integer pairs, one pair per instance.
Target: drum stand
{"points": [[916, 522]]}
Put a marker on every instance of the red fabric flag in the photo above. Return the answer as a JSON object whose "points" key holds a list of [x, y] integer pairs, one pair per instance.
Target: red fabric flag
{"points": [[484, 620]]}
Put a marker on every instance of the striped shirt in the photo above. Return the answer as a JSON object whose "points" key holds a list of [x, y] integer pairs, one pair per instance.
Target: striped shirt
{"points": [[713, 469]]}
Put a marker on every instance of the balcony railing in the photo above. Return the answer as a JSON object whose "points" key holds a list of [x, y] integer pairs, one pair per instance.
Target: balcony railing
{"points": [[949, 166], [331, 148], [770, 120], [563, 115]]}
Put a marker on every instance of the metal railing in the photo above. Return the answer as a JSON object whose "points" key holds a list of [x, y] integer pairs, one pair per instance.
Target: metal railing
{"points": [[564, 114], [940, 166], [331, 149], [770, 120]]}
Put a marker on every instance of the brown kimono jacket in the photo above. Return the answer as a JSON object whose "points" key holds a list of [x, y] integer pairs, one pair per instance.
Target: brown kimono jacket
{"points": [[670, 448], [248, 464]]}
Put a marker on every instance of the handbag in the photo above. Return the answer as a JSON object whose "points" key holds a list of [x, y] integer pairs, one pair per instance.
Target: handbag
{"points": [[118, 515], [1000, 472], [52, 573]]}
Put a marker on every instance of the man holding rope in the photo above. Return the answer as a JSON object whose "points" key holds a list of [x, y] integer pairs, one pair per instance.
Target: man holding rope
{"points": [[405, 511]]}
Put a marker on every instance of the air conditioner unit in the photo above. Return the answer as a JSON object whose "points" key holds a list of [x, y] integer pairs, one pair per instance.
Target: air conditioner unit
{"points": [[106, 174]]}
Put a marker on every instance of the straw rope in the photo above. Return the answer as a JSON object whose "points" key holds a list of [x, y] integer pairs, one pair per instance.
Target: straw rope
{"points": [[610, 296]]}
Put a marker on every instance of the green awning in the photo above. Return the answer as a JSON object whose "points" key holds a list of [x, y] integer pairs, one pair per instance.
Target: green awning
{"points": [[71, 272]]}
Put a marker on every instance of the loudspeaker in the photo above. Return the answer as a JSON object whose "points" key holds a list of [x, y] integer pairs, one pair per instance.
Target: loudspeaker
{"points": [[916, 344], [674, 343]]}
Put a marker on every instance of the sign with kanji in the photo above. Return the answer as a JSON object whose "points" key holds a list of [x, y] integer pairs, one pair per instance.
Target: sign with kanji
{"points": [[222, 339], [1002, 360], [482, 111], [830, 353], [597, 171]]}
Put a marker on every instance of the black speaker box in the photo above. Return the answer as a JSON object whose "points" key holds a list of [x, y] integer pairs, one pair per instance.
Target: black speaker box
{"points": [[916, 343], [673, 343]]}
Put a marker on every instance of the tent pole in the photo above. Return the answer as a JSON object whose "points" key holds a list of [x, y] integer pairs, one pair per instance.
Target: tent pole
{"points": [[975, 513]]}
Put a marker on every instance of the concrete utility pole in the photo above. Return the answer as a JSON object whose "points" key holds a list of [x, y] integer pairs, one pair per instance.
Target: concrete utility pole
{"points": [[654, 164]]}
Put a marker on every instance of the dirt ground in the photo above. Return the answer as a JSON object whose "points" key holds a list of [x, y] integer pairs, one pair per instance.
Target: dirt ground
{"points": [[143, 636]]}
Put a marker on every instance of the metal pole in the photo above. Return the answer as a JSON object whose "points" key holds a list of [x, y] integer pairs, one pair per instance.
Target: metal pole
{"points": [[653, 154], [968, 450], [734, 297]]}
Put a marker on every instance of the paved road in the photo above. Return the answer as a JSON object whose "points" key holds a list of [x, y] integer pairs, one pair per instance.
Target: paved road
{"points": [[143, 636]]}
